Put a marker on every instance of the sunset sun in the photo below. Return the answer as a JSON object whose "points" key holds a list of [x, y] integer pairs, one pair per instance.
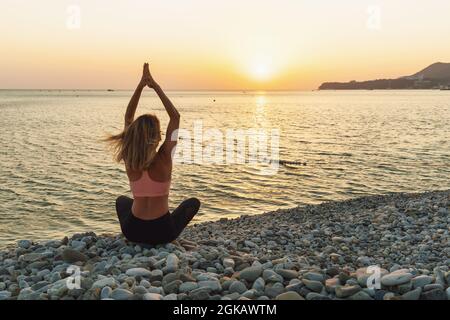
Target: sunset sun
{"points": [[261, 71]]}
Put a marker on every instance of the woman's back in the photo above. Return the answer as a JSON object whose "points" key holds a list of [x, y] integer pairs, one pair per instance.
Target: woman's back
{"points": [[150, 188]]}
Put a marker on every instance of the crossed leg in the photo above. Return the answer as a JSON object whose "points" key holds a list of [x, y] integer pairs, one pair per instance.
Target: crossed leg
{"points": [[123, 206], [184, 213]]}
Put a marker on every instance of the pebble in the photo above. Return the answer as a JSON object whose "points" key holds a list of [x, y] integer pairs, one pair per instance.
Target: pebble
{"points": [[313, 285], [388, 296], [316, 296], [287, 274], [26, 294], [433, 286], [72, 256], [331, 284], [145, 283], [271, 276], [171, 296], [23, 284], [314, 276], [297, 287], [188, 286], [250, 244], [4, 295], [172, 262], [214, 285], [421, 281], [346, 291], [228, 263], [32, 257], [259, 284], [106, 292], [435, 294], [156, 275], [361, 295], [152, 296], [379, 294], [290, 295], [338, 239], [364, 261], [250, 273], [237, 286], [78, 245], [140, 290], [159, 290], [185, 277], [412, 295], [138, 272], [58, 288], [121, 294], [200, 293], [274, 289], [394, 279], [232, 296], [24, 244], [439, 276], [109, 281], [251, 294], [173, 286]]}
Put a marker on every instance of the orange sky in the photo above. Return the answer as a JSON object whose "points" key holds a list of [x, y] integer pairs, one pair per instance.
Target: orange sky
{"points": [[217, 45]]}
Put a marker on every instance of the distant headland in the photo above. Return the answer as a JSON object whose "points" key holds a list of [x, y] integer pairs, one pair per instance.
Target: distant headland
{"points": [[435, 76]]}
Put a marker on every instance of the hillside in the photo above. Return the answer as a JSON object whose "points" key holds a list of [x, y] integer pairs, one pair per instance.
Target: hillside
{"points": [[435, 76], [437, 70]]}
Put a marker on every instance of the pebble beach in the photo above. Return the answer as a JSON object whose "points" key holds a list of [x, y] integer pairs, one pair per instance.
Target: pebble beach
{"points": [[312, 252]]}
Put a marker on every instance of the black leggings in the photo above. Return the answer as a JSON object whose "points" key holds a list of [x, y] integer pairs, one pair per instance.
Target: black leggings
{"points": [[156, 231]]}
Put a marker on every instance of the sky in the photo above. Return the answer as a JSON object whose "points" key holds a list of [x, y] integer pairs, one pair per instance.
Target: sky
{"points": [[217, 45]]}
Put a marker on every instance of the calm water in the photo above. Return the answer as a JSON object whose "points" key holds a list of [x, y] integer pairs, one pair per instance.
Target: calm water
{"points": [[57, 178]]}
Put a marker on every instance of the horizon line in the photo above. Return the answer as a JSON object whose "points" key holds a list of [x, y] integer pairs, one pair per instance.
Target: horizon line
{"points": [[131, 89]]}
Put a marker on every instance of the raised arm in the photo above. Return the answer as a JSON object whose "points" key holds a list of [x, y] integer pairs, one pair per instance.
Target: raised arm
{"points": [[134, 101], [174, 122]]}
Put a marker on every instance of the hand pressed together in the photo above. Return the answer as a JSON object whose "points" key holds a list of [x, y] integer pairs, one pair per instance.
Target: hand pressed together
{"points": [[147, 79]]}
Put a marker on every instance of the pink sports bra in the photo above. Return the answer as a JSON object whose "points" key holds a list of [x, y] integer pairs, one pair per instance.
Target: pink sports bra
{"points": [[146, 187]]}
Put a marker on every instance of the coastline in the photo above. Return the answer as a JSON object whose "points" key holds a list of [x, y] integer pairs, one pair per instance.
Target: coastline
{"points": [[309, 252]]}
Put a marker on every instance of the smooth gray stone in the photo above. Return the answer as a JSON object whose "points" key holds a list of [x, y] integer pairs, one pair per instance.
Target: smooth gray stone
{"points": [[250, 273], [121, 294], [313, 285], [237, 286], [412, 295]]}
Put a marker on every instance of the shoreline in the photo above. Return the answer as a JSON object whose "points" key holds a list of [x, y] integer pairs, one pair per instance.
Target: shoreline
{"points": [[309, 252]]}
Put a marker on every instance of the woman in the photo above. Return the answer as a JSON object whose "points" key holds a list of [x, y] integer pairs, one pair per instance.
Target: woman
{"points": [[146, 218]]}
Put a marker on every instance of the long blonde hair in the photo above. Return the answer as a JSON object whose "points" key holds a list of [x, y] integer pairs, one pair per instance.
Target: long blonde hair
{"points": [[136, 144]]}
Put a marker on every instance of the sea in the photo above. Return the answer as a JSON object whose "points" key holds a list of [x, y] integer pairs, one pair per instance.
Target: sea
{"points": [[240, 152]]}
